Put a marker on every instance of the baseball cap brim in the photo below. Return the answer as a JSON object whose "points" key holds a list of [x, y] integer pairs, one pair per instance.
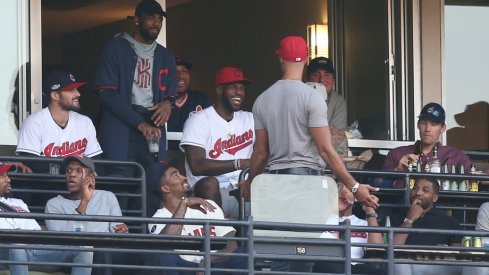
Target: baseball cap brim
{"points": [[243, 81], [72, 86], [431, 118], [87, 162], [6, 168]]}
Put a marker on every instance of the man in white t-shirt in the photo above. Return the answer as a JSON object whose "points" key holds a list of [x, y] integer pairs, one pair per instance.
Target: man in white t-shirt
{"points": [[174, 189], [8, 204], [218, 141], [58, 130]]}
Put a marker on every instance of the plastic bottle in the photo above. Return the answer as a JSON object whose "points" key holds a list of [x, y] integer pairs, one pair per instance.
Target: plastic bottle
{"points": [[411, 179], [435, 165], [445, 185], [454, 183], [462, 185]]}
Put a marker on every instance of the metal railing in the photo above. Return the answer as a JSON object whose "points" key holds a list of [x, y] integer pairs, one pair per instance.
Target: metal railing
{"points": [[146, 244]]}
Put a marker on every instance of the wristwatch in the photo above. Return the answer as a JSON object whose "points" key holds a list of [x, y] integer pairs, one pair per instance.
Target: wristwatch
{"points": [[371, 215], [355, 188]]}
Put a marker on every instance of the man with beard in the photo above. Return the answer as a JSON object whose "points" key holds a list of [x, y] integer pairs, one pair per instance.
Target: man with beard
{"points": [[423, 214], [58, 130], [218, 141], [136, 80], [188, 101]]}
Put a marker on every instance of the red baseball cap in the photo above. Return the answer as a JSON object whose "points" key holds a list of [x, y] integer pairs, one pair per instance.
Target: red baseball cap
{"points": [[293, 49], [5, 168], [227, 75]]}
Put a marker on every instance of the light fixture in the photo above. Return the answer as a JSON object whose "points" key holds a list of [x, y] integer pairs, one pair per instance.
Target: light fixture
{"points": [[317, 40]]}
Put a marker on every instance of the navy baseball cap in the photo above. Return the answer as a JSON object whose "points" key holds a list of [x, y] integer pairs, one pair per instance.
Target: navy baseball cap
{"points": [[60, 81], [149, 7], [321, 63], [433, 112], [183, 62]]}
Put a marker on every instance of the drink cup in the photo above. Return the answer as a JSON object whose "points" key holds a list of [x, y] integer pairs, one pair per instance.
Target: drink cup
{"points": [[154, 144], [54, 168], [79, 226]]}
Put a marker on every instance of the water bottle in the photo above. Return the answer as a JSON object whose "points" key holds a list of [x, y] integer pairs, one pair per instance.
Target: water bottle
{"points": [[435, 165], [454, 183], [445, 185], [462, 185]]}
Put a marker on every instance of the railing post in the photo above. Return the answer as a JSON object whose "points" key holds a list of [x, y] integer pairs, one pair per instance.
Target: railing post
{"points": [[207, 248], [250, 246], [347, 237], [390, 251]]}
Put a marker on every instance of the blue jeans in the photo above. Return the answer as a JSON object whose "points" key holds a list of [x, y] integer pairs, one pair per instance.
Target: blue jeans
{"points": [[54, 256]]}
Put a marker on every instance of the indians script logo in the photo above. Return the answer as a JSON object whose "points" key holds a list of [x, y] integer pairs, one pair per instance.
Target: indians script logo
{"points": [[143, 74], [232, 145], [67, 148]]}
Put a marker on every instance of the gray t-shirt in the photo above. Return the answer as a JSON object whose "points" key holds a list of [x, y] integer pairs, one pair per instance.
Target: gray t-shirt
{"points": [[142, 93], [336, 110], [102, 203], [287, 110]]}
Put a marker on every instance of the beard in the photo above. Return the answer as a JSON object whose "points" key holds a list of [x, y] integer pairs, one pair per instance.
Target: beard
{"points": [[147, 35], [68, 107], [227, 104]]}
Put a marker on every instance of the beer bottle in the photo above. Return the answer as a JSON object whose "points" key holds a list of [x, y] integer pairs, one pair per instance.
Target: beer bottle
{"points": [[473, 184], [387, 224], [411, 179]]}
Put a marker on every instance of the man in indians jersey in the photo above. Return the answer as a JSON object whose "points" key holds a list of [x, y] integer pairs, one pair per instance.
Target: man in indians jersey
{"points": [[58, 130], [218, 141], [188, 101], [174, 189]]}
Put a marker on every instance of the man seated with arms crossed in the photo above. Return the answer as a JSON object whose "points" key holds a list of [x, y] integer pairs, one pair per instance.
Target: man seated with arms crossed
{"points": [[84, 199], [423, 214], [431, 125], [174, 189], [218, 141], [9, 204]]}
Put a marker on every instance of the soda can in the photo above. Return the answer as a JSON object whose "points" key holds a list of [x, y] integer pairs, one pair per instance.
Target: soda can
{"points": [[477, 242], [467, 241]]}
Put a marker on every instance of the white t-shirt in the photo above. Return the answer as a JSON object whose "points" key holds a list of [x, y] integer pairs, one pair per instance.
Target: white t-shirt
{"points": [[356, 237], [221, 139], [191, 229], [40, 135], [14, 223]]}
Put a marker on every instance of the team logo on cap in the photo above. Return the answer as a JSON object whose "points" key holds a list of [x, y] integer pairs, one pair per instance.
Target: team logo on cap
{"points": [[238, 74], [297, 59], [55, 87], [72, 78]]}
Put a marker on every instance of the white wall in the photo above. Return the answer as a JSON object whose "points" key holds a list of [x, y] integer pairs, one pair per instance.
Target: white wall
{"points": [[13, 54], [466, 58]]}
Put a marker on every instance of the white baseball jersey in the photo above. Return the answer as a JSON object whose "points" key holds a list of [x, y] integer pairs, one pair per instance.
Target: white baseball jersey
{"points": [[193, 230], [221, 139], [11, 223], [40, 135]]}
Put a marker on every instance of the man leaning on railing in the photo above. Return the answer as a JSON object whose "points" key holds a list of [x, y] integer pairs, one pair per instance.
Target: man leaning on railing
{"points": [[9, 204], [174, 189]]}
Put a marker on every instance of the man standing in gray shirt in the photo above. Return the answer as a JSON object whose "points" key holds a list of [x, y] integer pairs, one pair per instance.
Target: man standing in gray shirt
{"points": [[292, 131]]}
